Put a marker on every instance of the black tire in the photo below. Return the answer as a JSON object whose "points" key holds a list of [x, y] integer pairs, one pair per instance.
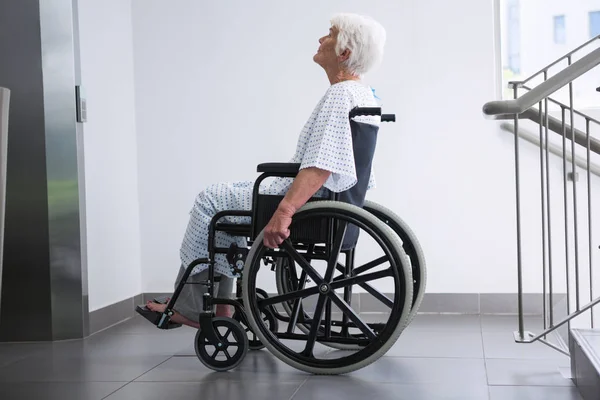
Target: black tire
{"points": [[382, 338], [208, 353], [411, 246]]}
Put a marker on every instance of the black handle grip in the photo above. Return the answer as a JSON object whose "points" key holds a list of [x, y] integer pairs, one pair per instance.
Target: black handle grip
{"points": [[360, 111]]}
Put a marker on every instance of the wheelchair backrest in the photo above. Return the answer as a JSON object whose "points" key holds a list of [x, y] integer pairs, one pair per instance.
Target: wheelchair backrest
{"points": [[364, 141]]}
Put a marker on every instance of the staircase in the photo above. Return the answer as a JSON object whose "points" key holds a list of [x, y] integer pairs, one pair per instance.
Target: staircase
{"points": [[569, 151]]}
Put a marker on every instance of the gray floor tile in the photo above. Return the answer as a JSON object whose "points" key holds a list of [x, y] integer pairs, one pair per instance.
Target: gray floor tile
{"points": [[503, 345], [209, 390], [446, 322], [360, 390], [163, 343], [58, 390], [259, 366], [138, 325], [421, 343], [526, 373], [79, 369], [510, 323], [12, 352], [533, 393], [460, 371]]}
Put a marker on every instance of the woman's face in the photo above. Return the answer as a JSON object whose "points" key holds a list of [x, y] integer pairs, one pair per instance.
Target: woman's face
{"points": [[326, 56]]}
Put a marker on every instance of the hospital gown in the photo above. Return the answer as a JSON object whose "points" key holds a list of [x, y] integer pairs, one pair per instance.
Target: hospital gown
{"points": [[325, 142]]}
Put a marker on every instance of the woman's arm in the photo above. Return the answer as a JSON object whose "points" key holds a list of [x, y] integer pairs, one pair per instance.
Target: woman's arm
{"points": [[305, 185]]}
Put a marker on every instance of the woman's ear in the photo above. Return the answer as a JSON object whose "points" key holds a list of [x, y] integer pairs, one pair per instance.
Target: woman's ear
{"points": [[344, 55]]}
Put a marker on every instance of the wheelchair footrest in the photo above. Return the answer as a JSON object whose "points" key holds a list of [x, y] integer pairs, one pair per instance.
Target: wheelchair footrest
{"points": [[154, 317]]}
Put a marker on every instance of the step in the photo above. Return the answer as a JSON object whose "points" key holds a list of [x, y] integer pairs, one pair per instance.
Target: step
{"points": [[585, 361]]}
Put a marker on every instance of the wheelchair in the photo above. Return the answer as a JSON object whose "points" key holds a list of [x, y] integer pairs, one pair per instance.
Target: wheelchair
{"points": [[312, 321]]}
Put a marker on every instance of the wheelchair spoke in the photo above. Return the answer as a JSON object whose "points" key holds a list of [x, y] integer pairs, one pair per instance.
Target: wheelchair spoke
{"points": [[305, 265], [314, 328], [335, 250], [370, 265], [378, 295], [357, 280], [214, 356], [348, 270], [289, 296], [297, 305], [347, 310]]}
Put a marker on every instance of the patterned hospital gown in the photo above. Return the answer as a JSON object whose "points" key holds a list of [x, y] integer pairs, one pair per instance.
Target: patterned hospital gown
{"points": [[325, 142]]}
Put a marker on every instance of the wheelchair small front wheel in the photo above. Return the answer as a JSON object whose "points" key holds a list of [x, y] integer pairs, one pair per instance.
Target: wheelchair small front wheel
{"points": [[231, 333]]}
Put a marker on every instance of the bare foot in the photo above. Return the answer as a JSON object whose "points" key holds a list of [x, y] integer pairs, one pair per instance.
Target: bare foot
{"points": [[223, 310], [176, 318], [156, 307]]}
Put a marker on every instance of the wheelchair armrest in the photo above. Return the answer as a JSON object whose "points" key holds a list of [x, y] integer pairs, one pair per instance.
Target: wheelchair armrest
{"points": [[279, 168]]}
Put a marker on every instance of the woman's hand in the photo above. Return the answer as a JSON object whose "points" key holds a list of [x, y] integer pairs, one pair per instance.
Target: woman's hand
{"points": [[305, 185], [277, 230]]}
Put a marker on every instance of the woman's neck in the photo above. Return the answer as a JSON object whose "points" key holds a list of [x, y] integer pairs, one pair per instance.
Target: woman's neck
{"points": [[338, 75]]}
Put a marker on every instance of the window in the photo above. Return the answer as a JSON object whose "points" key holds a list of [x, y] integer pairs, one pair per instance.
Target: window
{"points": [[559, 30], [514, 36], [534, 33], [594, 23]]}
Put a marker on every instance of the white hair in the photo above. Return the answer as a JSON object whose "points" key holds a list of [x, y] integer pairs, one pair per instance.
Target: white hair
{"points": [[364, 37]]}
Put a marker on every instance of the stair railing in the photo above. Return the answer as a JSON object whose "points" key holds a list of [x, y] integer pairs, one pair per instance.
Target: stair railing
{"points": [[523, 107]]}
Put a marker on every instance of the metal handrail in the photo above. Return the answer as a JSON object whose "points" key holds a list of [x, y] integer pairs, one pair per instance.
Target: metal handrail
{"points": [[563, 105], [556, 126], [545, 89], [565, 57], [554, 149]]}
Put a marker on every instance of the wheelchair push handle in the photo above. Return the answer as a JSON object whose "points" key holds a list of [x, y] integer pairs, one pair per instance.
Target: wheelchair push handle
{"points": [[360, 111]]}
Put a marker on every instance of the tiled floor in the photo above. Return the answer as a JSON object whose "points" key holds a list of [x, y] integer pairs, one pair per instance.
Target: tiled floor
{"points": [[437, 357]]}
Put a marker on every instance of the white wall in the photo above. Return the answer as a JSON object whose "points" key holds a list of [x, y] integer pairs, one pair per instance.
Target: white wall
{"points": [[113, 230], [221, 87]]}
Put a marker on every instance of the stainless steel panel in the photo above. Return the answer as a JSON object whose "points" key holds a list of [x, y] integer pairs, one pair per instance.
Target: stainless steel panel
{"points": [[4, 106], [44, 278], [59, 64]]}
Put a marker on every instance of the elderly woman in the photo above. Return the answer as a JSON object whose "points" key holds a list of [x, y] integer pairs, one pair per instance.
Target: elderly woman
{"points": [[353, 45]]}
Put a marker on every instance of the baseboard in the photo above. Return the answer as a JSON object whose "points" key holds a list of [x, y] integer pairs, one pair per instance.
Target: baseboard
{"points": [[433, 303], [113, 314]]}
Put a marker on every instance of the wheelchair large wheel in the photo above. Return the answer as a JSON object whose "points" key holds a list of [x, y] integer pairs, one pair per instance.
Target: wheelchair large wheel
{"points": [[388, 266], [287, 280]]}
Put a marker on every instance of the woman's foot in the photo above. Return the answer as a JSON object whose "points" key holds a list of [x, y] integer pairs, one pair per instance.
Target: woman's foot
{"points": [[223, 310]]}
